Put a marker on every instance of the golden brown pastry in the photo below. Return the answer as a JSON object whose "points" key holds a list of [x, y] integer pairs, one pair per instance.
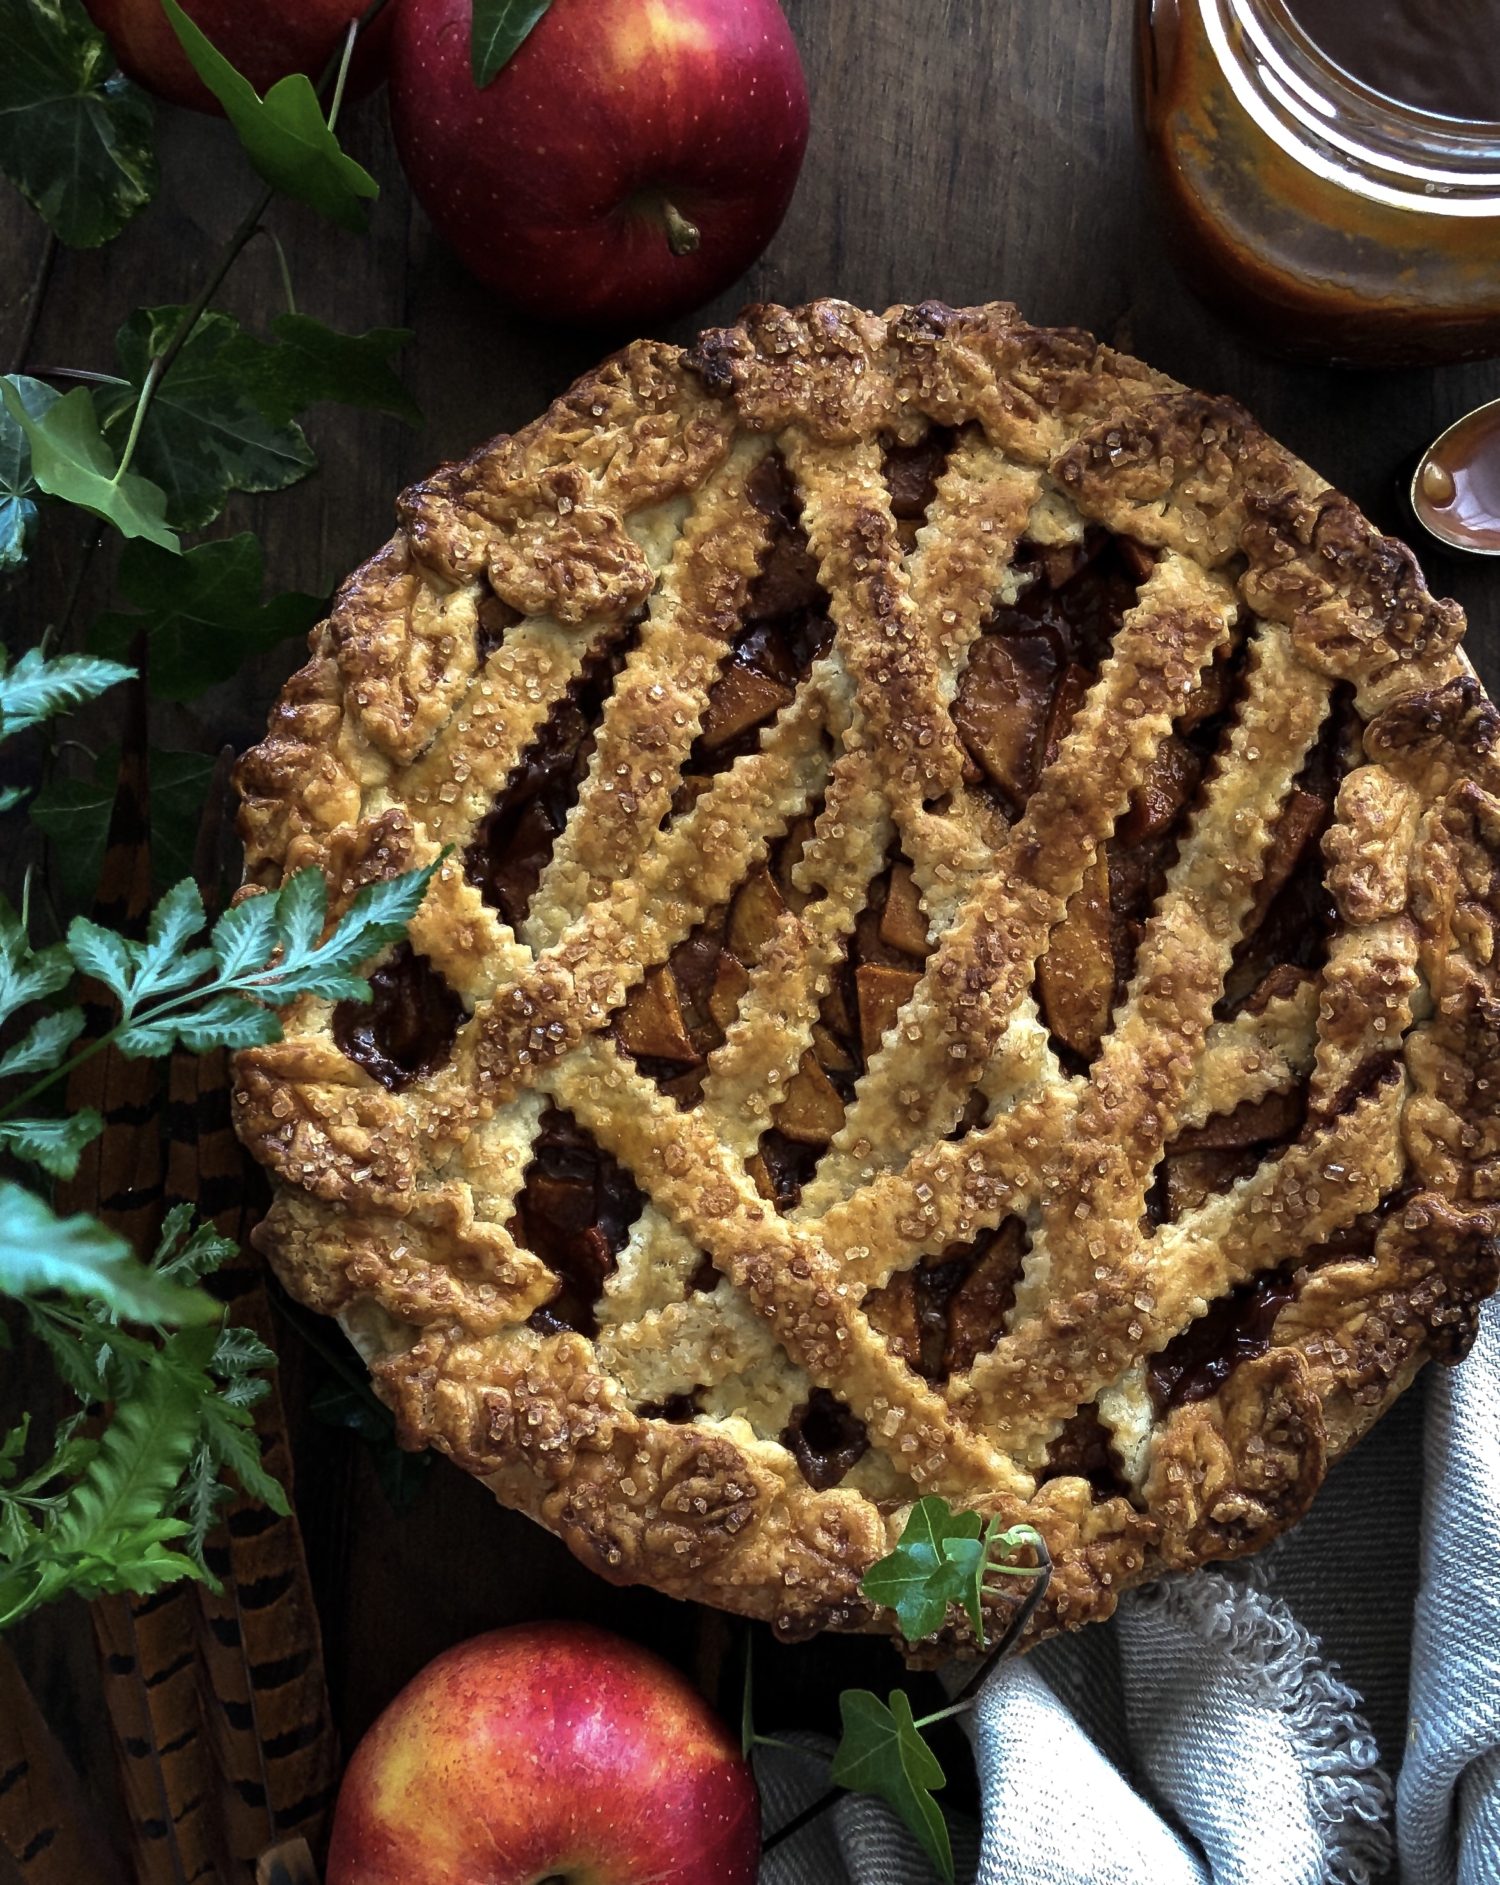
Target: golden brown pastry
{"points": [[965, 963]]}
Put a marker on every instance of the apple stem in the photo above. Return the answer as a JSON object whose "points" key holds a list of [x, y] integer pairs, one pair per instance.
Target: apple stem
{"points": [[682, 236]]}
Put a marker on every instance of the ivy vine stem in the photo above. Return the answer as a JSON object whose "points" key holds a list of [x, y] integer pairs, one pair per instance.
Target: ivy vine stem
{"points": [[84, 375], [34, 300], [809, 1813], [963, 1702], [337, 71], [194, 312], [138, 417], [343, 73], [283, 269]]}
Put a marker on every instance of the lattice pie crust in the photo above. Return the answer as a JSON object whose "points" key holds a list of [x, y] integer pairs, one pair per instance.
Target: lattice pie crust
{"points": [[965, 963]]}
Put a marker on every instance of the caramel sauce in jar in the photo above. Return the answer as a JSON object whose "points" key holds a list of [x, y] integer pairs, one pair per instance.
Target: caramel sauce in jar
{"points": [[1323, 185]]}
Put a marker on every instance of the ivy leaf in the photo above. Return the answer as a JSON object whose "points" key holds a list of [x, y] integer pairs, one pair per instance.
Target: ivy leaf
{"points": [[202, 612], [285, 134], [179, 788], [54, 1144], [882, 1752], [75, 814], [75, 136], [70, 460], [339, 1403], [499, 27], [36, 689], [79, 1256], [917, 1580], [17, 507], [944, 1557], [975, 1559], [313, 363], [204, 435]]}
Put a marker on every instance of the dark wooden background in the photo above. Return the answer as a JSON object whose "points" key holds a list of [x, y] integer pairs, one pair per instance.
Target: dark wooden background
{"points": [[966, 149]]}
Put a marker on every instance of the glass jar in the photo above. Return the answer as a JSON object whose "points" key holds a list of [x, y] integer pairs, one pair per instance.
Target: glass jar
{"points": [[1331, 221]]}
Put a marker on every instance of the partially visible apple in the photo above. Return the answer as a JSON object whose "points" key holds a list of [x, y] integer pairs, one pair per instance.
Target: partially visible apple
{"points": [[547, 1751], [264, 41], [631, 159]]}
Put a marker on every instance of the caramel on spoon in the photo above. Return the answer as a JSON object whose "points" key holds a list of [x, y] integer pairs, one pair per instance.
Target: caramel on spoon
{"points": [[1455, 490]]}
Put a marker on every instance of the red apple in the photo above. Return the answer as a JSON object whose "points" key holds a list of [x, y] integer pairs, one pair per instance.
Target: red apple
{"points": [[547, 1751], [631, 159], [264, 42]]}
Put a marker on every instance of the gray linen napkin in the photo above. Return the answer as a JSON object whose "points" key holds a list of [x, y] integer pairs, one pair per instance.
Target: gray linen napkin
{"points": [[1240, 1726]]}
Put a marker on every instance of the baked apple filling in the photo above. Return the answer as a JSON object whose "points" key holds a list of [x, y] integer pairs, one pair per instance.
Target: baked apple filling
{"points": [[785, 628], [1236, 1328], [911, 475], [952, 1306], [407, 1027], [574, 1211], [512, 844], [680, 1011], [881, 967], [826, 1439]]}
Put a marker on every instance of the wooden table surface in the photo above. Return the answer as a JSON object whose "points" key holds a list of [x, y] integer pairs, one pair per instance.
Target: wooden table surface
{"points": [[965, 149]]}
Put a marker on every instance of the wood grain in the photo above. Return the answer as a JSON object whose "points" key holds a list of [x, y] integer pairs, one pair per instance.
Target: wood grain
{"points": [[968, 149]]}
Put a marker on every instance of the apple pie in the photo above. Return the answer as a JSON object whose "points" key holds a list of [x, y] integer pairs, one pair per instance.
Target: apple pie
{"points": [[963, 961]]}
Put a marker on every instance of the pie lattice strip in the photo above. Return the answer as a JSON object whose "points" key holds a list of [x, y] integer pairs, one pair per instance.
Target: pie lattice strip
{"points": [[768, 1037], [700, 859], [1254, 1054], [955, 1027], [1089, 1222], [786, 1277], [1061, 1356], [965, 551], [653, 715], [892, 654], [453, 784], [696, 1342], [1372, 987], [947, 1194]]}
